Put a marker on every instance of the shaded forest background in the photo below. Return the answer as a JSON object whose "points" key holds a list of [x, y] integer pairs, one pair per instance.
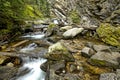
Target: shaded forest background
{"points": [[13, 13]]}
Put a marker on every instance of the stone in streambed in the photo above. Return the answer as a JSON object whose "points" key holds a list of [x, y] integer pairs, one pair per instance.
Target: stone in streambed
{"points": [[72, 32], [105, 59], [87, 52], [101, 48]]}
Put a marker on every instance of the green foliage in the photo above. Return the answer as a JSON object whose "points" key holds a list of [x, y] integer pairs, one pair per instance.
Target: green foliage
{"points": [[44, 7], [109, 34], [74, 16]]}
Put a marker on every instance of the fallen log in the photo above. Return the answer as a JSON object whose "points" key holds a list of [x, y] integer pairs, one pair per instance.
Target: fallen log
{"points": [[20, 43]]}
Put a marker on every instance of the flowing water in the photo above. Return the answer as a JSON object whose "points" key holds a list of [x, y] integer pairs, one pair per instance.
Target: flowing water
{"points": [[31, 66], [33, 72]]}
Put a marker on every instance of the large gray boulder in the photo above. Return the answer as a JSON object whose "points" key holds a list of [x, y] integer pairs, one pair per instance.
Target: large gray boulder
{"points": [[72, 32], [105, 59], [101, 48]]}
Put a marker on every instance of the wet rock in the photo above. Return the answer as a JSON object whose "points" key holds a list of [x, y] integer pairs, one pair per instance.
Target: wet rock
{"points": [[105, 59], [65, 28], [44, 66], [4, 60], [101, 48], [6, 73], [21, 72], [108, 76], [10, 64], [118, 74], [87, 52], [72, 32], [59, 52]]}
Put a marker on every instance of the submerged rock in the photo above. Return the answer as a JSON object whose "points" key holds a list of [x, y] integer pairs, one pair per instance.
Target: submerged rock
{"points": [[72, 32]]}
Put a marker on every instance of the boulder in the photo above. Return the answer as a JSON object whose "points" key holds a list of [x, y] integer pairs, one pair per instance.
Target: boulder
{"points": [[101, 48], [108, 76], [58, 52], [87, 52], [109, 34], [72, 32], [65, 28], [105, 59]]}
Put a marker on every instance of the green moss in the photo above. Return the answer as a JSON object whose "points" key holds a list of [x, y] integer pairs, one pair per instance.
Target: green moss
{"points": [[30, 12], [74, 16], [98, 62], [51, 25], [109, 34]]}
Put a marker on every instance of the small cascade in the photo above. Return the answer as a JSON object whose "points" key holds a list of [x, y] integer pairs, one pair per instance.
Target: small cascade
{"points": [[31, 69], [34, 36], [30, 47]]}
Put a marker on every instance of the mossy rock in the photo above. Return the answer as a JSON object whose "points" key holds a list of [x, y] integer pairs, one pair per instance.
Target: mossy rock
{"points": [[59, 52], [109, 34]]}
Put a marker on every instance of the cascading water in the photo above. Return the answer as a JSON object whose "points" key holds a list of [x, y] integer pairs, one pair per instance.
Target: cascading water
{"points": [[34, 71], [31, 66]]}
